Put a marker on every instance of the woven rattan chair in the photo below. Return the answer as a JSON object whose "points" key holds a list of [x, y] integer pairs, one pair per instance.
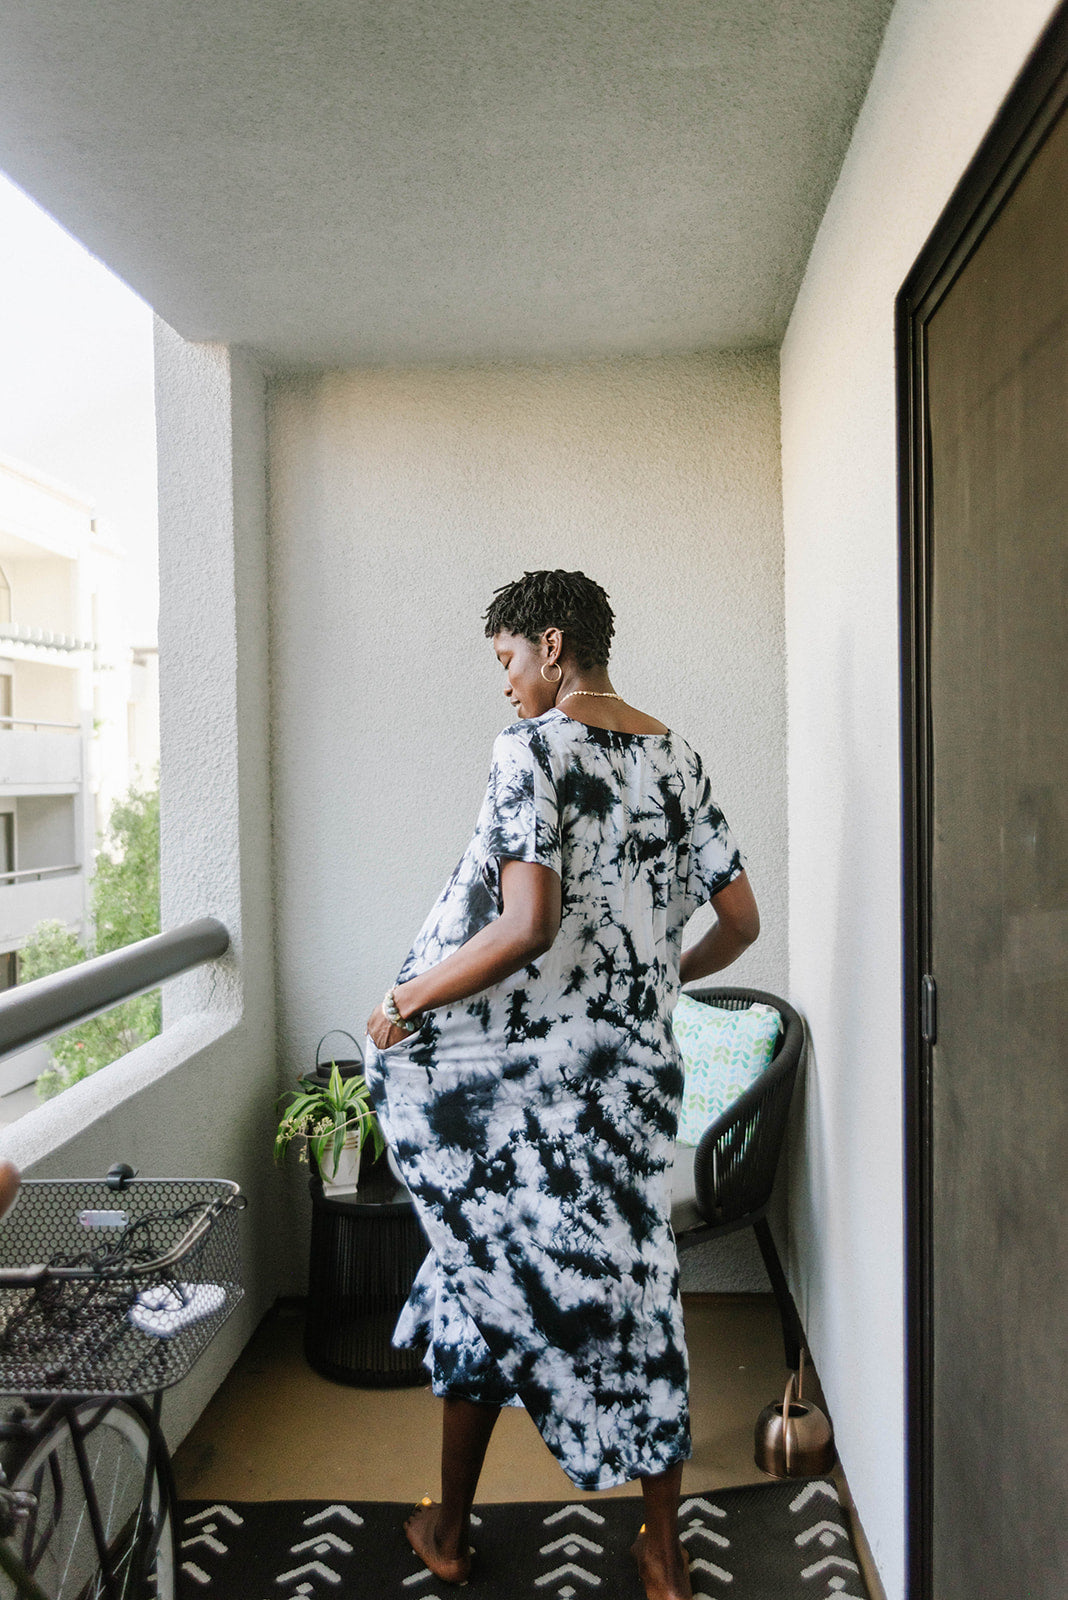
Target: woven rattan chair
{"points": [[726, 1182]]}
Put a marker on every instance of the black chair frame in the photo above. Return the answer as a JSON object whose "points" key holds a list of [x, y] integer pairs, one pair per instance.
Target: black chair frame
{"points": [[738, 1155]]}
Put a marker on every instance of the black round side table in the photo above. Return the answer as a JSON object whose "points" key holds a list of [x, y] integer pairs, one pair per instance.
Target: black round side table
{"points": [[365, 1251]]}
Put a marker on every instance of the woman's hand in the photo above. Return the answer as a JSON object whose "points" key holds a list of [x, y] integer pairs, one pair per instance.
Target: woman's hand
{"points": [[383, 1032]]}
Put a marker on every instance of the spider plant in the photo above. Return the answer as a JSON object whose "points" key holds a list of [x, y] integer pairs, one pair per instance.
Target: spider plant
{"points": [[323, 1114]]}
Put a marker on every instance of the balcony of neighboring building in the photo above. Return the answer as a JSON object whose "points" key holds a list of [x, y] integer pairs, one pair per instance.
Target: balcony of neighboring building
{"points": [[41, 879], [41, 871], [44, 824], [38, 894], [41, 756], [43, 728]]}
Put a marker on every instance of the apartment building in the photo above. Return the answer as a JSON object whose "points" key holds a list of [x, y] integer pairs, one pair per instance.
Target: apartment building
{"points": [[78, 719]]}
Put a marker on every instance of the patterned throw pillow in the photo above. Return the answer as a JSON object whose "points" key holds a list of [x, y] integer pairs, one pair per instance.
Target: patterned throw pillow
{"points": [[723, 1053]]}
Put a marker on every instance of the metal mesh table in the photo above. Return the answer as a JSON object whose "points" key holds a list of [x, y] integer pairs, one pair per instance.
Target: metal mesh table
{"points": [[365, 1253]]}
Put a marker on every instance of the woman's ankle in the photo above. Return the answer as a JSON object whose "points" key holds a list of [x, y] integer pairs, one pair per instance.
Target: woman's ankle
{"points": [[667, 1548], [452, 1533]]}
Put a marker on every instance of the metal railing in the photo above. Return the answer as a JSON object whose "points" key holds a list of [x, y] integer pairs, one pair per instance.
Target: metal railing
{"points": [[38, 872], [47, 1005], [38, 722]]}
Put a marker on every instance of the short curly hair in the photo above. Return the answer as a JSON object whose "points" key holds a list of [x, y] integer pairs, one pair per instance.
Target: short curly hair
{"points": [[566, 600]]}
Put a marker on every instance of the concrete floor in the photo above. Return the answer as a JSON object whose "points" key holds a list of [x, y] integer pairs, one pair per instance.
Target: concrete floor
{"points": [[276, 1430]]}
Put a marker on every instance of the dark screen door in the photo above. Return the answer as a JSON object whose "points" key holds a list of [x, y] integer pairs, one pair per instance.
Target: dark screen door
{"points": [[996, 362]]}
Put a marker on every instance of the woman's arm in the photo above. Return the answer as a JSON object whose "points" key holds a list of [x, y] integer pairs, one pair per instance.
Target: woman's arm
{"points": [[525, 929], [737, 924]]}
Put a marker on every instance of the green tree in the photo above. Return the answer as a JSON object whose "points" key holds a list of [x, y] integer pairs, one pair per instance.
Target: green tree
{"points": [[50, 948], [125, 888], [125, 907]]}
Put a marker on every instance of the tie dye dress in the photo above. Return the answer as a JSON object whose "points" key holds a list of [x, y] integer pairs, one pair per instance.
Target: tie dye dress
{"points": [[534, 1122]]}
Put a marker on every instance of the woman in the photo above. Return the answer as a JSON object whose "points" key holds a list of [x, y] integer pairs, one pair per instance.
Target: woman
{"points": [[525, 1072]]}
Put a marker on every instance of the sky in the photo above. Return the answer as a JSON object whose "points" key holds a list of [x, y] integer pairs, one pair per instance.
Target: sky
{"points": [[76, 386]]}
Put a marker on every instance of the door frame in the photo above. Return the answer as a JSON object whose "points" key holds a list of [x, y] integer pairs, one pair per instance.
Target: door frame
{"points": [[1038, 97]]}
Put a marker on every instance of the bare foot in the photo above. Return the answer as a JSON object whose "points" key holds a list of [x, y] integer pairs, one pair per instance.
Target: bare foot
{"points": [[444, 1562], [663, 1580]]}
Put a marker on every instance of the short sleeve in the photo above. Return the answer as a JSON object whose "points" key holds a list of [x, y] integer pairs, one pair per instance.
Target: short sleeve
{"points": [[519, 819], [715, 859]]}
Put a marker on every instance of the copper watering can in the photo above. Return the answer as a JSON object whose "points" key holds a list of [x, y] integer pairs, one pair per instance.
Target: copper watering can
{"points": [[793, 1438]]}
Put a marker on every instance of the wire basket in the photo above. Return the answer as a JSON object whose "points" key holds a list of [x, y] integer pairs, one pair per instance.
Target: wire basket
{"points": [[114, 1291]]}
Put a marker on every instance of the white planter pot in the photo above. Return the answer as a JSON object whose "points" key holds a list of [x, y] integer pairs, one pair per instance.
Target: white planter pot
{"points": [[346, 1174]]}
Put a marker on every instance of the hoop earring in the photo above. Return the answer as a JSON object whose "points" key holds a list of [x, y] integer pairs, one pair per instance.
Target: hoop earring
{"points": [[559, 671]]}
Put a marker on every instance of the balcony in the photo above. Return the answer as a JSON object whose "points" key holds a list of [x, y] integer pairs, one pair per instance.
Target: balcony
{"points": [[40, 757], [324, 716], [30, 896]]}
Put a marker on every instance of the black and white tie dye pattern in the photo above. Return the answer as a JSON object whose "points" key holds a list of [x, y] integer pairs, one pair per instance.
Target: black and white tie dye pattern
{"points": [[535, 1122]]}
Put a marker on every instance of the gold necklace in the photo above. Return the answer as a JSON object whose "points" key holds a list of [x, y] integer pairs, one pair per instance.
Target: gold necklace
{"points": [[601, 694]]}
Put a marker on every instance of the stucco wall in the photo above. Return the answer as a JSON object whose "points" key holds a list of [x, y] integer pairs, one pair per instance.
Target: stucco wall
{"points": [[399, 501], [945, 67]]}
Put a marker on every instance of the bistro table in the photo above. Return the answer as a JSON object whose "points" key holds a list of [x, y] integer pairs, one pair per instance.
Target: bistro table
{"points": [[366, 1249]]}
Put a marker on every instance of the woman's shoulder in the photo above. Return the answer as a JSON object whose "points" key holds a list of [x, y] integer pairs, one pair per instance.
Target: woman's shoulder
{"points": [[517, 736], [552, 727], [521, 744]]}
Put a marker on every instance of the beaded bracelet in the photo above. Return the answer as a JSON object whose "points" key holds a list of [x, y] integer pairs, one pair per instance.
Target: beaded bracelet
{"points": [[389, 1006]]}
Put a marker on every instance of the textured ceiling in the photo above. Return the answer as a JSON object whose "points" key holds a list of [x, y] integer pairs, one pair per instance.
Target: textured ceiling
{"points": [[340, 182]]}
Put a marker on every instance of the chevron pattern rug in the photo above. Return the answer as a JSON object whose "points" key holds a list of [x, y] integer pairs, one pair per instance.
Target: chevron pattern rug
{"points": [[774, 1541]]}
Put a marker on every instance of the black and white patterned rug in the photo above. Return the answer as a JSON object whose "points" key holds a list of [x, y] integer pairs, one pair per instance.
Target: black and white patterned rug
{"points": [[773, 1541]]}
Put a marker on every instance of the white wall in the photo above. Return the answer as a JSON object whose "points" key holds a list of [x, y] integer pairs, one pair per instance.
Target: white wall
{"points": [[399, 501], [42, 511], [944, 68], [40, 762], [24, 905], [46, 690], [44, 830], [43, 592]]}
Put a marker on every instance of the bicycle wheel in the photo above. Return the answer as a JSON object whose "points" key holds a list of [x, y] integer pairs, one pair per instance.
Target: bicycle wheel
{"points": [[57, 1543]]}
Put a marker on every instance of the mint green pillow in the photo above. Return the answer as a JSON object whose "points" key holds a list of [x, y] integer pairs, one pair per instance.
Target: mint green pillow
{"points": [[723, 1053]]}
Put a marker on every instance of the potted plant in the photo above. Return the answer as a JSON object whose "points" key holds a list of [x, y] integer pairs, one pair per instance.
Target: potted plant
{"points": [[334, 1118]]}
